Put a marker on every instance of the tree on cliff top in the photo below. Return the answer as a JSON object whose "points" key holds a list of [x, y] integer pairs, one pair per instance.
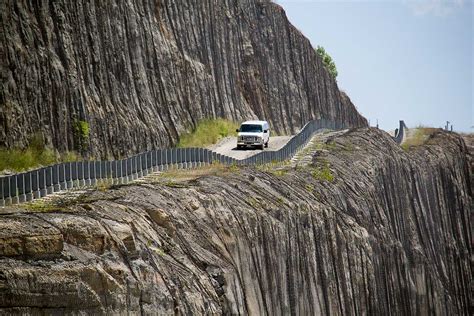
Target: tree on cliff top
{"points": [[327, 61]]}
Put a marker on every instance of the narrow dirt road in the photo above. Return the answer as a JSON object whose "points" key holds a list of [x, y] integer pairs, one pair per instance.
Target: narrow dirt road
{"points": [[228, 146]]}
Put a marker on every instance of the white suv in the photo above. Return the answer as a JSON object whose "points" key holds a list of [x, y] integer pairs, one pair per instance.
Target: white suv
{"points": [[253, 133]]}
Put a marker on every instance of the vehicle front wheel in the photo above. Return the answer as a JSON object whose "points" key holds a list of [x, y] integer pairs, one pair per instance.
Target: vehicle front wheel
{"points": [[266, 144], [262, 146]]}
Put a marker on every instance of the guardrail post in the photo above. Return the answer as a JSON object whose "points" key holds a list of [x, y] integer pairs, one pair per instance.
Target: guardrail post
{"points": [[200, 157], [35, 184], [169, 159], [159, 160], [154, 161], [42, 182], [20, 185], [96, 171], [68, 175], [87, 173], [123, 173], [187, 158], [115, 172], [194, 157], [145, 164], [28, 187], [13, 189], [128, 170], [80, 172], [62, 177], [110, 172], [7, 194], [184, 157], [179, 157], [140, 165], [135, 167], [49, 180], [56, 186], [92, 173], [149, 162], [2, 193], [74, 174], [133, 162]]}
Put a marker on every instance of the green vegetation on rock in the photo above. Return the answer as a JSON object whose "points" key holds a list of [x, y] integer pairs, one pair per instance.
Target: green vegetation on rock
{"points": [[35, 155], [323, 173], [418, 138], [208, 132], [327, 61], [81, 130]]}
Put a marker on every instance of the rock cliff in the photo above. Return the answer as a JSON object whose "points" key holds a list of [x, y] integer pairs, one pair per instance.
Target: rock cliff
{"points": [[141, 72], [364, 228]]}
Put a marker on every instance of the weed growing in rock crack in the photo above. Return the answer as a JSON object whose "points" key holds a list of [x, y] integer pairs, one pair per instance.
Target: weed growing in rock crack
{"points": [[309, 188], [81, 133], [103, 185], [252, 201], [322, 172], [173, 184], [278, 170], [43, 206], [280, 200], [182, 175], [158, 250]]}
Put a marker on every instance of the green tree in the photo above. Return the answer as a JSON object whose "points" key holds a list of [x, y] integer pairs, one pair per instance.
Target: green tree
{"points": [[327, 61]]}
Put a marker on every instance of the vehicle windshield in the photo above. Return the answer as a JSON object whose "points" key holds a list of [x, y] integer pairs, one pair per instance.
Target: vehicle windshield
{"points": [[250, 128]]}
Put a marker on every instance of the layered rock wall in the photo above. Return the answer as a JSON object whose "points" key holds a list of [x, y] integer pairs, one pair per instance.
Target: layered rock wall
{"points": [[389, 233], [140, 73]]}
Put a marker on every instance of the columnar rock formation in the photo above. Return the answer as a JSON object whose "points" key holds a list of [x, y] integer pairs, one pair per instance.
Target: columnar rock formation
{"points": [[140, 73], [391, 233]]}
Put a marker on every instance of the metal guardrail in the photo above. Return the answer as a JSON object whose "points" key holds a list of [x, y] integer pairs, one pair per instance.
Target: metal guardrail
{"points": [[400, 133], [38, 183]]}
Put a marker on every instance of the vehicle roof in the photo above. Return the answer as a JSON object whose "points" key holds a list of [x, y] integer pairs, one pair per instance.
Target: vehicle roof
{"points": [[255, 122]]}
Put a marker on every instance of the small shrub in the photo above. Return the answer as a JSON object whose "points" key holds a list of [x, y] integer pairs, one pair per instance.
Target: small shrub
{"points": [[327, 61], [208, 132], [81, 131]]}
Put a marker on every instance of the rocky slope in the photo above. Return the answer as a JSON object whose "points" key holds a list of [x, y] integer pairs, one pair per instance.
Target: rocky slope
{"points": [[365, 228], [140, 72]]}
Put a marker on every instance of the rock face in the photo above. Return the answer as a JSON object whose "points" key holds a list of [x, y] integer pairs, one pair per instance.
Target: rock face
{"points": [[366, 228], [140, 73]]}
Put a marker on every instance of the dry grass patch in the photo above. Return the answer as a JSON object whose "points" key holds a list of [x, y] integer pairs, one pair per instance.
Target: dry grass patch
{"points": [[418, 138], [173, 176]]}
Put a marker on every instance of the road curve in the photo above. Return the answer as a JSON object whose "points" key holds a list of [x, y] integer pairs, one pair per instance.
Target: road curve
{"points": [[228, 146]]}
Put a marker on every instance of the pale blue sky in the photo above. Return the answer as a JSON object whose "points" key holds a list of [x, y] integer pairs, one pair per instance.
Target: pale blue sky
{"points": [[397, 59]]}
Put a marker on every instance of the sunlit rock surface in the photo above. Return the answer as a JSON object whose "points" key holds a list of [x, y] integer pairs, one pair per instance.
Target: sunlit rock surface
{"points": [[389, 233]]}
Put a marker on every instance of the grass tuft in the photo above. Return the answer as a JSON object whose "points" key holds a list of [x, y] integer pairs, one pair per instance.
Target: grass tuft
{"points": [[208, 132], [322, 172], [35, 155], [419, 137]]}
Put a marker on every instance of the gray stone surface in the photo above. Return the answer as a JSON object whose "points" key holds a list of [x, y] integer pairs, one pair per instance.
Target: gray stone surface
{"points": [[391, 234], [143, 72]]}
